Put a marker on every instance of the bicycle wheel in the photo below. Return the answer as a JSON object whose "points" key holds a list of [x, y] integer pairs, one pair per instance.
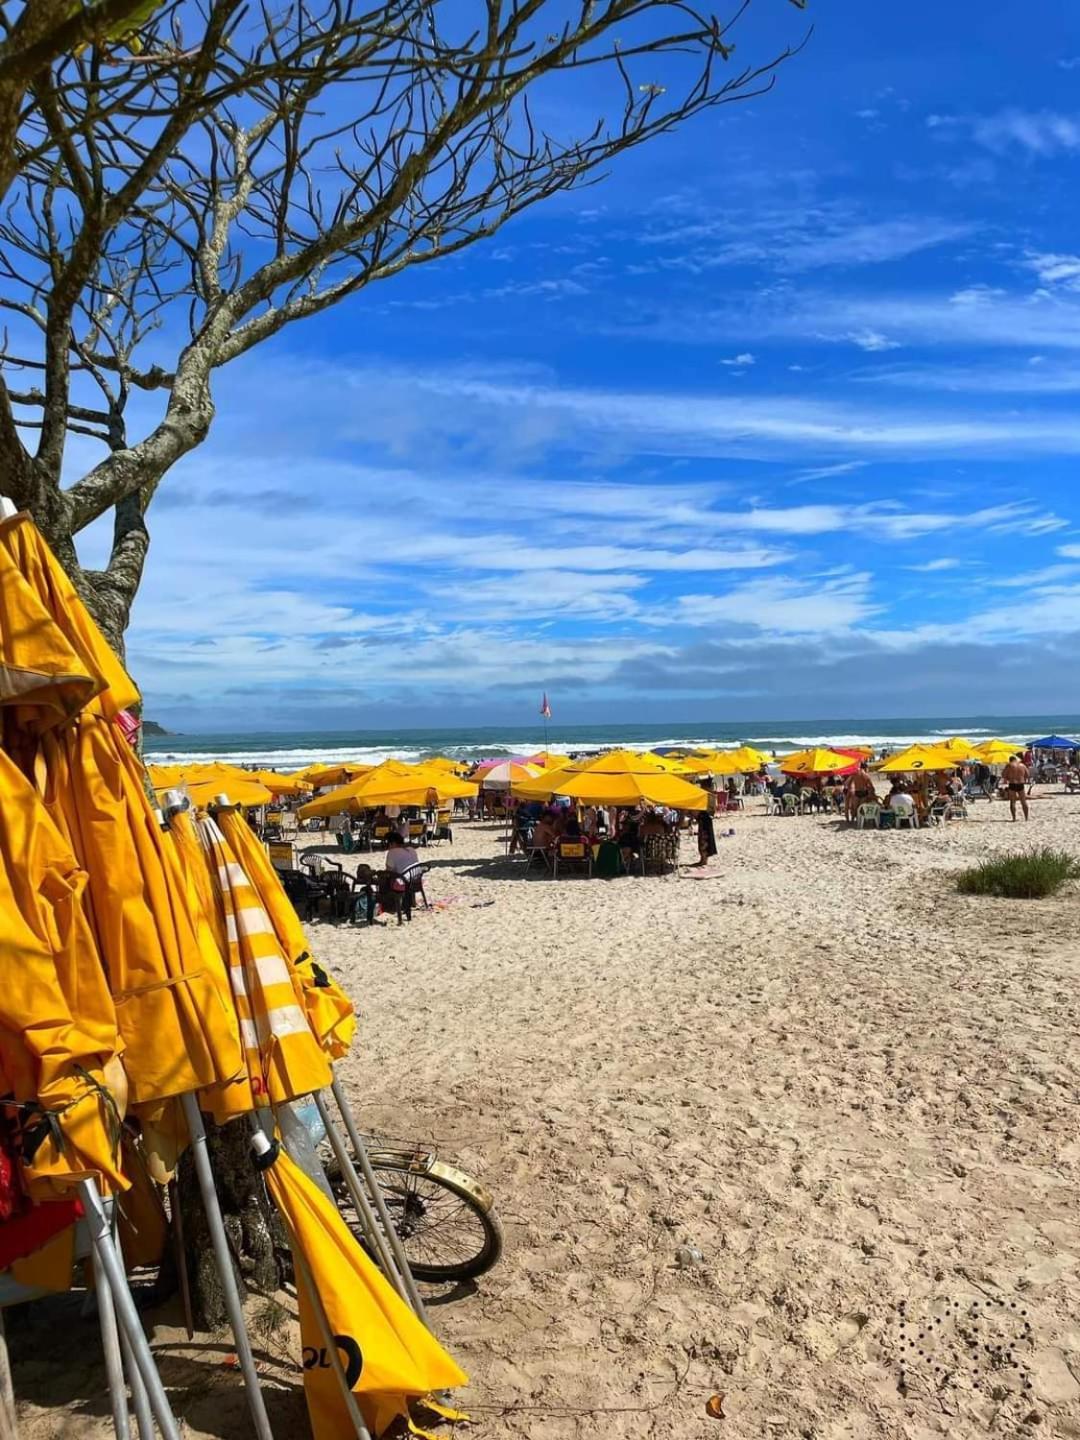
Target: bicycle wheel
{"points": [[444, 1217]]}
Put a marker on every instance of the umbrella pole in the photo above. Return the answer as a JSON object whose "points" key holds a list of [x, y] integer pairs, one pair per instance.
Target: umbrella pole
{"points": [[378, 1241], [230, 1289], [181, 1257], [105, 1251], [140, 1401], [110, 1344], [9, 1425], [329, 1341], [392, 1236]]}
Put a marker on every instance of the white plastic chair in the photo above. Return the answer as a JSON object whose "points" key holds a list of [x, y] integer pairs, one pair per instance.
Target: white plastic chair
{"points": [[868, 815]]}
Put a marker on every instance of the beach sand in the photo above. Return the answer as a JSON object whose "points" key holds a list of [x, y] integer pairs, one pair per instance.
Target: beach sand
{"points": [[853, 1090]]}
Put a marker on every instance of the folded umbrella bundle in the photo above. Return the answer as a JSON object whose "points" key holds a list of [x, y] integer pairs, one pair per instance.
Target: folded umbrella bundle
{"points": [[388, 1354]]}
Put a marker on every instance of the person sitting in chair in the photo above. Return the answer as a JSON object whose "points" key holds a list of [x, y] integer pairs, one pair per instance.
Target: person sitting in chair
{"points": [[395, 886]]}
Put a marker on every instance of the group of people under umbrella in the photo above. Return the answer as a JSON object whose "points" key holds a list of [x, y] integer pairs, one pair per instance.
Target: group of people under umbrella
{"points": [[154, 972]]}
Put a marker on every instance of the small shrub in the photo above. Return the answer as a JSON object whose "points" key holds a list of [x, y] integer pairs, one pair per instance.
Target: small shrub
{"points": [[1024, 875]]}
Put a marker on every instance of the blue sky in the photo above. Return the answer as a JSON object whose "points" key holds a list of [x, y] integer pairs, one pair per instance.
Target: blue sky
{"points": [[780, 420]]}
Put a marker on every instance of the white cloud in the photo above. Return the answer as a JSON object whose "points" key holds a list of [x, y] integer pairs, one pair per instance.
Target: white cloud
{"points": [[932, 566], [742, 360], [784, 605], [1039, 132], [872, 340], [1069, 552], [1053, 269]]}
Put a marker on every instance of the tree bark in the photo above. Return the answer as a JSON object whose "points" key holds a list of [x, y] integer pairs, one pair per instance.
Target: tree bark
{"points": [[250, 1224]]}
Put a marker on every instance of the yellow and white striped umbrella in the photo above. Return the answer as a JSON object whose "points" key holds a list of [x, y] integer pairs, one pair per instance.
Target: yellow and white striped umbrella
{"points": [[284, 1058]]}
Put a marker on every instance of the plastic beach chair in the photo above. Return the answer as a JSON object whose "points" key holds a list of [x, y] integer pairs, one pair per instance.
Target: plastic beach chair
{"points": [[868, 816]]}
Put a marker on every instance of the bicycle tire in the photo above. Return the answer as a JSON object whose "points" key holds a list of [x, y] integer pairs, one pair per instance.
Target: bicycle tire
{"points": [[410, 1205]]}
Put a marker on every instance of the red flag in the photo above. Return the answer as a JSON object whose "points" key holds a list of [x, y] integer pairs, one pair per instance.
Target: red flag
{"points": [[545, 708]]}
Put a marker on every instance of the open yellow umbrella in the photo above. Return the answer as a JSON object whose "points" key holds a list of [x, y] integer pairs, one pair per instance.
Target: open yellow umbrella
{"points": [[600, 787], [818, 762], [322, 775], [919, 757], [997, 752], [623, 762], [388, 1354], [281, 784], [718, 762], [392, 783]]}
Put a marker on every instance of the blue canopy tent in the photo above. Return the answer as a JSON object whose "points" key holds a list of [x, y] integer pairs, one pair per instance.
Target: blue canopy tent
{"points": [[1054, 742]]}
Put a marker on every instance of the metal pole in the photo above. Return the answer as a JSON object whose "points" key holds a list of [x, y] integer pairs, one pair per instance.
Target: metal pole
{"points": [[110, 1344], [9, 1425], [329, 1340], [230, 1289], [383, 1254], [360, 1151], [140, 1401], [105, 1251]]}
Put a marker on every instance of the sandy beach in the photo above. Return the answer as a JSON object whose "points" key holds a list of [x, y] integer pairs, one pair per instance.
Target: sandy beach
{"points": [[853, 1090]]}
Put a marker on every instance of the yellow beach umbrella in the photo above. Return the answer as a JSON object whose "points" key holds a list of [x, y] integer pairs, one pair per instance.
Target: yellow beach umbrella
{"points": [[323, 775], [173, 1013], [623, 762], [719, 762], [751, 757], [601, 787], [919, 757], [329, 1010], [280, 784], [817, 762], [283, 1057], [392, 783], [444, 762], [997, 752], [58, 1031], [388, 1354], [40, 671]]}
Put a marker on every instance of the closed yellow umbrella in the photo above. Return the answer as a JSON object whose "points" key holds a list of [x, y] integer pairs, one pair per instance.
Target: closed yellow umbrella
{"points": [[599, 787], [329, 1010], [40, 672], [22, 541], [389, 1356], [283, 1057], [58, 1031], [173, 1011]]}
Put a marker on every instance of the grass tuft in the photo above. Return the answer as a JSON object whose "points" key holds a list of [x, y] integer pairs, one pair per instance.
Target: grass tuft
{"points": [[1024, 875]]}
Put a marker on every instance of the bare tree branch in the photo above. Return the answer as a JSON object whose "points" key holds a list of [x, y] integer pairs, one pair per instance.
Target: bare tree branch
{"points": [[256, 164]]}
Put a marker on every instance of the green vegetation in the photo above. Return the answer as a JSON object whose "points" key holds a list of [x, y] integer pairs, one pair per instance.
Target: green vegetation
{"points": [[1024, 875]]}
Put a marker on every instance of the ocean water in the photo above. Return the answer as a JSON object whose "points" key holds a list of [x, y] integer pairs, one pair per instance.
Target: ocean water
{"points": [[293, 750]]}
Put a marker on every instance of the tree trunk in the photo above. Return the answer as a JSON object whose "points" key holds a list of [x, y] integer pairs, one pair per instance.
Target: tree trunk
{"points": [[250, 1224]]}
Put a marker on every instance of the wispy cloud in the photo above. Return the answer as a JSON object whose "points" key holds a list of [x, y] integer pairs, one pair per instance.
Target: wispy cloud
{"points": [[1038, 132], [931, 567], [872, 340]]}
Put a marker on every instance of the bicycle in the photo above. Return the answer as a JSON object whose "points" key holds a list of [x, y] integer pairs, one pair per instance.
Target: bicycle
{"points": [[444, 1217]]}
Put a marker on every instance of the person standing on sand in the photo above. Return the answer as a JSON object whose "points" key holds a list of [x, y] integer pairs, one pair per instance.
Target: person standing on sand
{"points": [[1015, 776]]}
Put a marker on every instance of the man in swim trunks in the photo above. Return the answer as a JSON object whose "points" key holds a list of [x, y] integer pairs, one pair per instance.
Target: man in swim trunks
{"points": [[1015, 776]]}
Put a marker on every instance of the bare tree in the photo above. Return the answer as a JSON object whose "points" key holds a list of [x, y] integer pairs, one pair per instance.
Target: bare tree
{"points": [[179, 200]]}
